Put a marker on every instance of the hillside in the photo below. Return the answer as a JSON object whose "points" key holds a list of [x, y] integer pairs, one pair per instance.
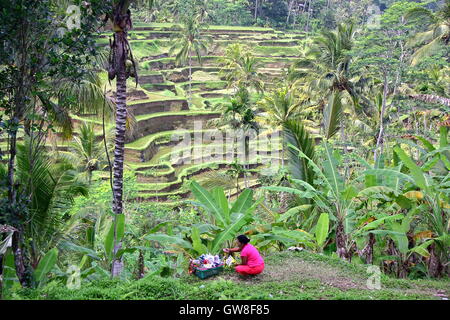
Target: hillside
{"points": [[160, 105]]}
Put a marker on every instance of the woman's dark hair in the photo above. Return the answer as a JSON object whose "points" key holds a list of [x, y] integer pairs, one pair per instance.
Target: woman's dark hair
{"points": [[243, 239]]}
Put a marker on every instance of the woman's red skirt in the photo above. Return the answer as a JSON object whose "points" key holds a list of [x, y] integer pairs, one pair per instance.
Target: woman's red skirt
{"points": [[246, 270]]}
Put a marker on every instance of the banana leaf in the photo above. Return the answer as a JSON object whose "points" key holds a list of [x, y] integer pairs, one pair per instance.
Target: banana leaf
{"points": [[67, 245], [45, 266], [331, 172], [244, 202], [294, 211], [208, 201], [332, 114], [221, 199], [238, 220], [322, 227], [302, 194], [171, 240], [197, 242], [9, 271], [416, 171]]}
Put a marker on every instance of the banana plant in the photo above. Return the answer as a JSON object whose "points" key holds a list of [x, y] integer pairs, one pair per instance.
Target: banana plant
{"points": [[225, 222], [436, 158], [277, 235], [230, 218], [9, 278], [435, 193], [101, 250], [339, 198], [330, 194], [45, 266], [418, 186]]}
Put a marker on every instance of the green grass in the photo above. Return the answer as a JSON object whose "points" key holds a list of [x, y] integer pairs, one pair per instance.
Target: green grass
{"points": [[186, 113], [155, 98], [204, 76], [145, 48], [162, 26], [211, 85], [276, 51], [144, 142], [323, 278]]}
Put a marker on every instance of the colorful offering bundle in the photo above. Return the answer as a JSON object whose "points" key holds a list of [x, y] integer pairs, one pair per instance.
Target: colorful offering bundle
{"points": [[230, 261], [205, 262]]}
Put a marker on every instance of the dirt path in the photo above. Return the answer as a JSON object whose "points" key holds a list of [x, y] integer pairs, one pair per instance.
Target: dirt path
{"points": [[295, 268]]}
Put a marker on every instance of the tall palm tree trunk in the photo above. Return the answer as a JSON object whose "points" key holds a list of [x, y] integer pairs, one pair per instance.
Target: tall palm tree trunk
{"points": [[381, 132], [190, 80], [12, 157], [120, 53], [309, 16], [20, 261], [246, 160], [121, 118], [283, 144]]}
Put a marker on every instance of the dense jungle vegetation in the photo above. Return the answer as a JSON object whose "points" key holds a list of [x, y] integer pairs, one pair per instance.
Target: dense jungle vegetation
{"points": [[339, 117]]}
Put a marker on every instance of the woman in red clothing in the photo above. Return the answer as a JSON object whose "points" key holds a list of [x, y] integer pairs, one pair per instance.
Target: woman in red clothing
{"points": [[252, 262]]}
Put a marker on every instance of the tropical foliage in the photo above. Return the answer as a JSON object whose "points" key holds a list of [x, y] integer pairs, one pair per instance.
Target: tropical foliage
{"points": [[343, 117]]}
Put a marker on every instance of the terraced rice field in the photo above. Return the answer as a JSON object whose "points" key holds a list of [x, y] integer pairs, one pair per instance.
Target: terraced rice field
{"points": [[162, 111]]}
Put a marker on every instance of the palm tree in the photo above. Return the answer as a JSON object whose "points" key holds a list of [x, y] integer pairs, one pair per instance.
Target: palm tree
{"points": [[248, 124], [437, 35], [240, 68], [120, 57], [437, 90], [236, 170], [190, 40], [238, 115], [86, 152], [326, 69], [281, 105], [50, 184], [227, 180]]}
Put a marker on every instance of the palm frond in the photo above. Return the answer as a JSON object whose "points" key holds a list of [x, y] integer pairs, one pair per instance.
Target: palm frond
{"points": [[296, 135], [52, 185], [218, 179], [420, 38], [425, 15], [426, 51], [332, 114]]}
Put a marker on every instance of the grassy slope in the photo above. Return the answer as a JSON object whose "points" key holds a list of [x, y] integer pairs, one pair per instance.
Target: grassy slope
{"points": [[288, 275]]}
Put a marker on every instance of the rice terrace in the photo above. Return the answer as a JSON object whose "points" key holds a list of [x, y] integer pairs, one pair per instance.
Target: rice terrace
{"points": [[222, 150]]}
